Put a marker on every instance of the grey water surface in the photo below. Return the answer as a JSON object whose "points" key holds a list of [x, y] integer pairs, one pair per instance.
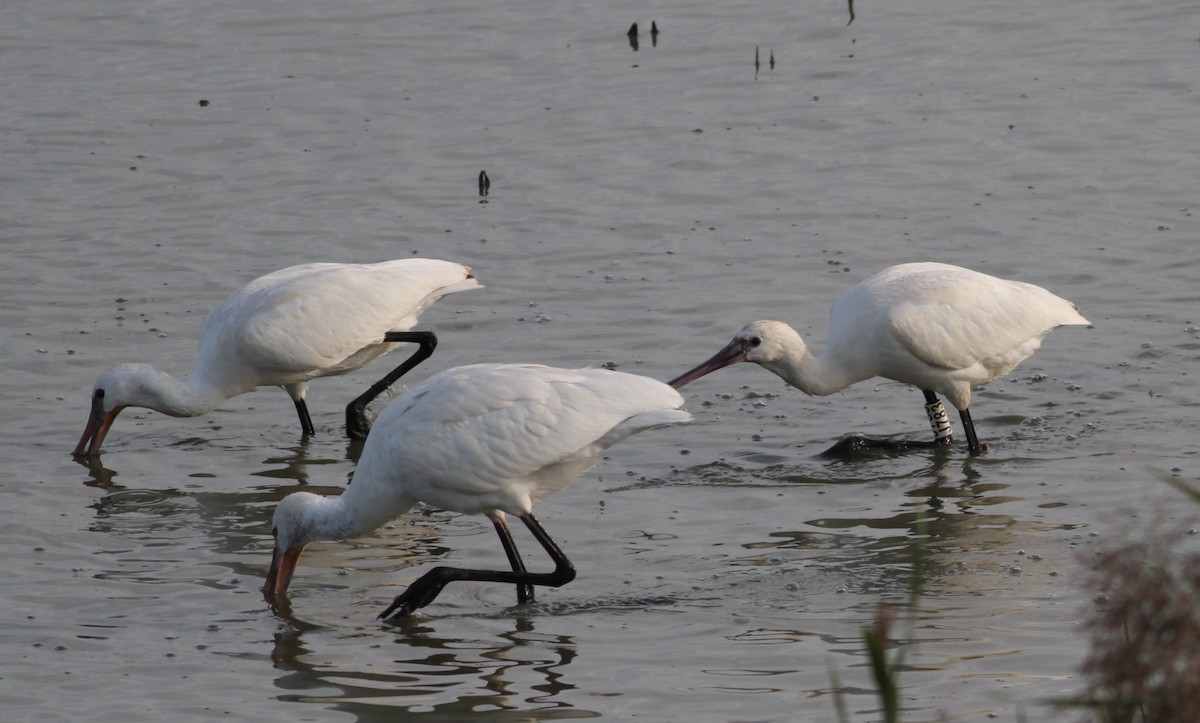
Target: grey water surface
{"points": [[643, 205]]}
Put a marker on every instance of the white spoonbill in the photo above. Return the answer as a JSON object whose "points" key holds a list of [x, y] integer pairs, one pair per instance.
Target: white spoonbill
{"points": [[487, 439], [284, 329], [944, 329]]}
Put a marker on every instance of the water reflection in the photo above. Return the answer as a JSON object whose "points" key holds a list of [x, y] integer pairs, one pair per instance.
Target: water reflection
{"points": [[947, 515], [98, 474], [286, 463], [293, 463], [785, 579], [515, 675]]}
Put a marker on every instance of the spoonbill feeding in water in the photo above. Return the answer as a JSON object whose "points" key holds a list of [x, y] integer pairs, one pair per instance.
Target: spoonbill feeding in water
{"points": [[944, 329], [487, 439], [284, 329]]}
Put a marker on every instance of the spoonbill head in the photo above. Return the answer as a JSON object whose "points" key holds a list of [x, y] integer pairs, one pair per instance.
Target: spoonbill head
{"points": [[770, 344], [489, 439], [285, 329], [125, 385], [941, 328]]}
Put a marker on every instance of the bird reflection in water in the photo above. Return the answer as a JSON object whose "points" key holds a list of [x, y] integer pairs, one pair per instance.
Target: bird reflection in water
{"points": [[518, 670]]}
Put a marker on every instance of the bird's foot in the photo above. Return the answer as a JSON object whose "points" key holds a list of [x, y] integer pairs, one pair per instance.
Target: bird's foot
{"points": [[524, 594], [418, 595], [404, 604], [357, 424], [400, 608], [854, 444]]}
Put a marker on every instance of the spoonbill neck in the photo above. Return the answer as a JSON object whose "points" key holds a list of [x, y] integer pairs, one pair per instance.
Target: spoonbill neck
{"points": [[141, 385], [192, 397], [810, 373], [338, 518], [364, 506]]}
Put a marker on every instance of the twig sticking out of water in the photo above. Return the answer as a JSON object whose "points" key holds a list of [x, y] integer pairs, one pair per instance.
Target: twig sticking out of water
{"points": [[758, 63]]}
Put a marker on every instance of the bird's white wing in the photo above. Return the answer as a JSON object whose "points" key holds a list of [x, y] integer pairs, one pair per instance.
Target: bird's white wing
{"points": [[958, 326], [484, 432], [329, 317]]}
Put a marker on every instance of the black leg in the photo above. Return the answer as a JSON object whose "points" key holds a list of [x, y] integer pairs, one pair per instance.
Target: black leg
{"points": [[973, 445], [305, 421], [942, 433], [356, 411], [426, 588], [524, 591]]}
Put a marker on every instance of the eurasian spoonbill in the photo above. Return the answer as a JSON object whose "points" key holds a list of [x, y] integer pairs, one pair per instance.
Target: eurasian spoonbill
{"points": [[488, 439], [284, 329], [944, 329]]}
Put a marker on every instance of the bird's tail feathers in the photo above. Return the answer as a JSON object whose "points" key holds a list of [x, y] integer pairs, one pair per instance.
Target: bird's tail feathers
{"points": [[643, 421], [465, 285]]}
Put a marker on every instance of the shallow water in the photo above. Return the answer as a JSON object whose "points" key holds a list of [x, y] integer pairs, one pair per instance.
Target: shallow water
{"points": [[643, 206]]}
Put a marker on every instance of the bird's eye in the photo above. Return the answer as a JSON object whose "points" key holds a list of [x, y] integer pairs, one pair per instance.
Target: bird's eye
{"points": [[99, 394], [755, 341]]}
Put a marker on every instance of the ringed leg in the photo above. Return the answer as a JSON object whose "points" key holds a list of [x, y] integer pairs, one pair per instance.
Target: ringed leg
{"points": [[426, 588], [524, 591], [942, 433], [356, 415]]}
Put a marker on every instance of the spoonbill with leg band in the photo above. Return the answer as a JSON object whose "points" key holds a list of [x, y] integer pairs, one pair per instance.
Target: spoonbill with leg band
{"points": [[941, 328], [284, 329], [488, 439]]}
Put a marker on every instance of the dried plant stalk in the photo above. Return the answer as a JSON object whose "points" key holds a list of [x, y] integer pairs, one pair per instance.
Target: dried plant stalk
{"points": [[1144, 661]]}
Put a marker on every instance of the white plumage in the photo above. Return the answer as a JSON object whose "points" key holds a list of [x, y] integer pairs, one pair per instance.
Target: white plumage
{"points": [[487, 439], [941, 328], [285, 329]]}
